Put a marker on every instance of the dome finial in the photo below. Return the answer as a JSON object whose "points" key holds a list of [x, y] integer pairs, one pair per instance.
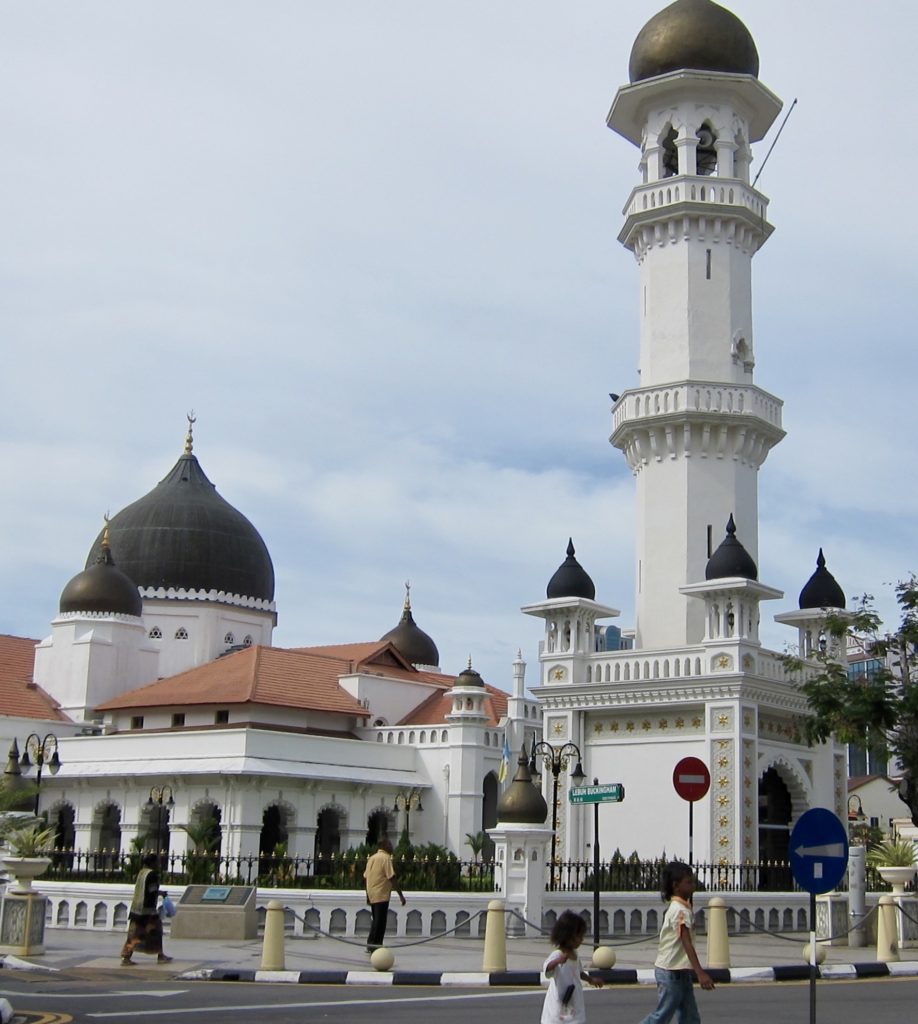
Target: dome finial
{"points": [[189, 439], [107, 519], [731, 526], [407, 607]]}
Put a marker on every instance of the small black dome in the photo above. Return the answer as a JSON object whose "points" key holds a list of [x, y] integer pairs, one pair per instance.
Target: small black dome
{"points": [[102, 588], [570, 579], [411, 642], [731, 558], [183, 534], [693, 35], [522, 803], [469, 677], [822, 589]]}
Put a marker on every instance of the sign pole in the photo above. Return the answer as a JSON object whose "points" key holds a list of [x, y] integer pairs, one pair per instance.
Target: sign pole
{"points": [[691, 830], [595, 871], [812, 958]]}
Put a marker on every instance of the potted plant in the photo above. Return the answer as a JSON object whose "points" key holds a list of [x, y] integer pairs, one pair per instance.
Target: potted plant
{"points": [[895, 862], [26, 859]]}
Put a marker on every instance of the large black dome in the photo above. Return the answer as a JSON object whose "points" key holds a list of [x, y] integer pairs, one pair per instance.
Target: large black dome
{"points": [[411, 642], [570, 578], [693, 35], [183, 534], [822, 589], [731, 558], [102, 588]]}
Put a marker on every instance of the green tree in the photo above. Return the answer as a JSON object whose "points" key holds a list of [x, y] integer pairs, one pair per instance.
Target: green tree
{"points": [[876, 711], [476, 843]]}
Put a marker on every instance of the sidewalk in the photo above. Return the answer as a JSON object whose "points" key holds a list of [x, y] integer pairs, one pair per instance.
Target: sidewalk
{"points": [[754, 957]]}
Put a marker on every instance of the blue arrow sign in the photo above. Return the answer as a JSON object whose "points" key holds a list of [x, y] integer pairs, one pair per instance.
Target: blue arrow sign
{"points": [[818, 850]]}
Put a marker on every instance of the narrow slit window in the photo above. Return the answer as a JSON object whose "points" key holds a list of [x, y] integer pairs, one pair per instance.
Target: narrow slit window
{"points": [[707, 264]]}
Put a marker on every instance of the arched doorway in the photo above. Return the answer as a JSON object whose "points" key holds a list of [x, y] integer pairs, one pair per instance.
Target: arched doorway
{"points": [[273, 830], [64, 830], [775, 808], [489, 792], [377, 827], [328, 838], [106, 834]]}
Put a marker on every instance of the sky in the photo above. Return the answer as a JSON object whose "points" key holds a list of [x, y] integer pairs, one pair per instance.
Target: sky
{"points": [[373, 247]]}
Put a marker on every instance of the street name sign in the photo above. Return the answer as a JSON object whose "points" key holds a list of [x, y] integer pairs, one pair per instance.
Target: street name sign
{"points": [[613, 792], [818, 850]]}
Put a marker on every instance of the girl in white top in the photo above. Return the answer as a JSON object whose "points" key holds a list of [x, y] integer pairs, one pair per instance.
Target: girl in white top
{"points": [[676, 957], [564, 998]]}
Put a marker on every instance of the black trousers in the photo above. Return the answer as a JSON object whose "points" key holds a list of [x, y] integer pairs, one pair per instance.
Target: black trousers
{"points": [[379, 918]]}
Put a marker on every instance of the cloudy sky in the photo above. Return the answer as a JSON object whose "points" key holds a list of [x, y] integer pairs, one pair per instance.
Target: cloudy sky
{"points": [[373, 246]]}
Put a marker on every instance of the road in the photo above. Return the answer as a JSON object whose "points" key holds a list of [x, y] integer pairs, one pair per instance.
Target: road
{"points": [[74, 999]]}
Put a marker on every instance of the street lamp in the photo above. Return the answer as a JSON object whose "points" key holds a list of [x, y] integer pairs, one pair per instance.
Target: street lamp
{"points": [[555, 760], [408, 802], [44, 752], [161, 797]]}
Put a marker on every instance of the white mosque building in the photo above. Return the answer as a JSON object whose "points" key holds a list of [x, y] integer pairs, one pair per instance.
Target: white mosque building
{"points": [[160, 676]]}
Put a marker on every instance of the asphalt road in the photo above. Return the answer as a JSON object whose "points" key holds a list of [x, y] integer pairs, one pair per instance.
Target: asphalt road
{"points": [[65, 1000]]}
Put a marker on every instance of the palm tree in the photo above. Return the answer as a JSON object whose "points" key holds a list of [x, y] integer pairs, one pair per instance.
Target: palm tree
{"points": [[476, 841]]}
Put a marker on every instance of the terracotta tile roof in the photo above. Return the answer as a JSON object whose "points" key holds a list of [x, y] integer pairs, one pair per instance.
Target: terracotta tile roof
{"points": [[257, 675], [19, 696], [434, 710]]}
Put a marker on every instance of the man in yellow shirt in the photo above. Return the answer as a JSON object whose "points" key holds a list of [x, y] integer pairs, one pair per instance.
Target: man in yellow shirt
{"points": [[380, 881]]}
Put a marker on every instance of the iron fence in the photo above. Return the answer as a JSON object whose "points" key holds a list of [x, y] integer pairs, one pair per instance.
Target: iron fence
{"points": [[337, 871]]}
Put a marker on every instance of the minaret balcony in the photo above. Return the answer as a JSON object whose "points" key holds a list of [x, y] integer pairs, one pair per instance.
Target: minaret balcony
{"points": [[701, 202], [705, 418]]}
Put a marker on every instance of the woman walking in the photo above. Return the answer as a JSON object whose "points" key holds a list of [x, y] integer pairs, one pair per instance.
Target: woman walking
{"points": [[145, 926]]}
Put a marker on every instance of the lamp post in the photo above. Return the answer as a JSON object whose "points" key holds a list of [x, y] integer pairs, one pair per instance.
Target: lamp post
{"points": [[408, 801], [556, 760], [44, 752], [161, 797]]}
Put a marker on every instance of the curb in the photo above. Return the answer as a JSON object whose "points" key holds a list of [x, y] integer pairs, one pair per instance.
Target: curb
{"points": [[621, 976]]}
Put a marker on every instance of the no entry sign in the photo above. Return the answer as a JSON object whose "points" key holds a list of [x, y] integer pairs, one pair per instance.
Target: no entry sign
{"points": [[691, 778]]}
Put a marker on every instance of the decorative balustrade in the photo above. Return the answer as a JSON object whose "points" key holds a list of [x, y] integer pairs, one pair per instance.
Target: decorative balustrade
{"points": [[635, 665], [696, 189], [700, 397]]}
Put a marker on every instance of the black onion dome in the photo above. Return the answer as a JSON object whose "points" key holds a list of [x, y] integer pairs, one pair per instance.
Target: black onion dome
{"points": [[522, 803], [411, 642], [102, 588], [183, 534], [731, 558], [570, 578], [822, 589], [693, 35]]}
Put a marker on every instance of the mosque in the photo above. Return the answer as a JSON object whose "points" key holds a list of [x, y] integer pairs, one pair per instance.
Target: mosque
{"points": [[172, 707]]}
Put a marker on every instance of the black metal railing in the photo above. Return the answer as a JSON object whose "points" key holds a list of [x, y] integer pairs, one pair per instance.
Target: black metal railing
{"points": [[337, 871], [646, 876]]}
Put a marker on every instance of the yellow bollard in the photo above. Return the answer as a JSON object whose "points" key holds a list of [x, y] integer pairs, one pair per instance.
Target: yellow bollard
{"points": [[887, 933], [495, 944], [718, 943], [272, 950]]}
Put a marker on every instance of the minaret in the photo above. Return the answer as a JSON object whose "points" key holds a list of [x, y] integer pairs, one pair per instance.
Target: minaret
{"points": [[696, 429]]}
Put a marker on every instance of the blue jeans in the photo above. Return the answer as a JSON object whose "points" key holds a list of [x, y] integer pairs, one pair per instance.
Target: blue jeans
{"points": [[676, 993]]}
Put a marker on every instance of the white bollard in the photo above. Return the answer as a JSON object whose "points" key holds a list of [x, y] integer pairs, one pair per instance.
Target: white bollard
{"points": [[887, 937], [272, 950], [718, 943], [495, 944]]}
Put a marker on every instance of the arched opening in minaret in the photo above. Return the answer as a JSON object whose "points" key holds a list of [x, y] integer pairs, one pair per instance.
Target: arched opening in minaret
{"points": [[741, 158], [705, 151], [774, 830], [670, 153]]}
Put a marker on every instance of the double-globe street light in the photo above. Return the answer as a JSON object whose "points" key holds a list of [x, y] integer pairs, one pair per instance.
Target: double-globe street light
{"points": [[555, 760], [408, 801], [44, 752]]}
